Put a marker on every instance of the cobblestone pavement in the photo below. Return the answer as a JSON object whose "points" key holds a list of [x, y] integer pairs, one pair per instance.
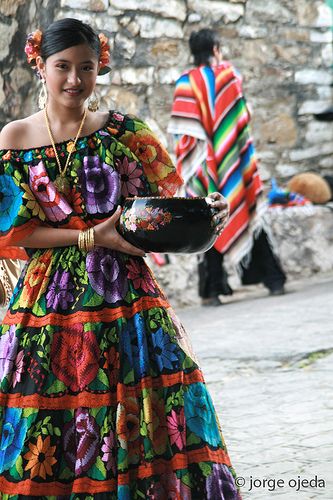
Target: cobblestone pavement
{"points": [[268, 364]]}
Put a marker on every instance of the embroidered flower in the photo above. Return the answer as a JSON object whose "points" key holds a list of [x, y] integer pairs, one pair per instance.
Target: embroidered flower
{"points": [[100, 185], [13, 434], [81, 441], [220, 483], [32, 204], [111, 365], [170, 487], [32, 46], [54, 205], [130, 176], [128, 421], [10, 201], [40, 458], [154, 416], [109, 450], [200, 414], [18, 368], [140, 275], [59, 294], [165, 352], [155, 160], [176, 428], [75, 357], [106, 276], [36, 279], [8, 350]]}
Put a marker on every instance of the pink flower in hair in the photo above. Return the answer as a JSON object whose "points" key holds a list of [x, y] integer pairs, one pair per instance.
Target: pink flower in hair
{"points": [[32, 46]]}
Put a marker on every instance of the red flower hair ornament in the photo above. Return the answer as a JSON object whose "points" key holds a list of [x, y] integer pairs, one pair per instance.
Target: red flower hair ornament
{"points": [[34, 41]]}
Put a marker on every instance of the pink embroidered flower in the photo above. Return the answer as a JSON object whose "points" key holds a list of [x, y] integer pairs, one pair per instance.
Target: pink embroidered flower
{"points": [[54, 205], [109, 452], [18, 368], [176, 428], [140, 276], [130, 176]]}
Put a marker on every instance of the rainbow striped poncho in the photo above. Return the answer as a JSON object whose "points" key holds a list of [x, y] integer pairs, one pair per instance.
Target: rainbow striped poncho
{"points": [[214, 149]]}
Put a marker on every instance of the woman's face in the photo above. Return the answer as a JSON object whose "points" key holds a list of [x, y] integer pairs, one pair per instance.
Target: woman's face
{"points": [[70, 75]]}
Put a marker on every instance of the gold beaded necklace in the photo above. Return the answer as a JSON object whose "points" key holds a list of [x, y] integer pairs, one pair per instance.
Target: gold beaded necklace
{"points": [[61, 182]]}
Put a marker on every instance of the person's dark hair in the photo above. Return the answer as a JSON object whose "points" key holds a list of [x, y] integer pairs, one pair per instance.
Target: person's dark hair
{"points": [[66, 33], [201, 44]]}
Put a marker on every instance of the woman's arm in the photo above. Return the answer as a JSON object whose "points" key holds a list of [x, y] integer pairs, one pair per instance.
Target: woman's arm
{"points": [[106, 235]]}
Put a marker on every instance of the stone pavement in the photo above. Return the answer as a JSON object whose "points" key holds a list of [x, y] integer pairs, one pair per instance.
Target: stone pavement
{"points": [[268, 365]]}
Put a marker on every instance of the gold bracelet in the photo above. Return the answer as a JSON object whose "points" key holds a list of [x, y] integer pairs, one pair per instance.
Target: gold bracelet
{"points": [[86, 240]]}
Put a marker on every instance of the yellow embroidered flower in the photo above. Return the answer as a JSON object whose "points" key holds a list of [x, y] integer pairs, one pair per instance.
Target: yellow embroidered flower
{"points": [[32, 203]]}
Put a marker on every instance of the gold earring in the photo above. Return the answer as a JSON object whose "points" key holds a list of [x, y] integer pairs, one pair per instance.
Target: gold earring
{"points": [[93, 102], [42, 97]]}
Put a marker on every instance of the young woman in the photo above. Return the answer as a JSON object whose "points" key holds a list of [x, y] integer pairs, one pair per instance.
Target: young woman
{"points": [[100, 397]]}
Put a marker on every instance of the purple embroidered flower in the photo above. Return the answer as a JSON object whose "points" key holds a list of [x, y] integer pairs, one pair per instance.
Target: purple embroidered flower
{"points": [[106, 276], [130, 176], [59, 293], [81, 441], [220, 484], [109, 452], [100, 185], [8, 350], [18, 369]]}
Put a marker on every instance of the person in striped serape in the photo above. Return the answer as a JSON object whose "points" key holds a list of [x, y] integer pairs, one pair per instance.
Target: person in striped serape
{"points": [[215, 152]]}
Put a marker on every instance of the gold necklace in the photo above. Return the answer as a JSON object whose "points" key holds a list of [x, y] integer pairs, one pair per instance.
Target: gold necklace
{"points": [[61, 182]]}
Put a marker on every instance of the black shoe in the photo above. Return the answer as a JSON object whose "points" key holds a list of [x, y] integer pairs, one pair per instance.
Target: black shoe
{"points": [[211, 302], [277, 291]]}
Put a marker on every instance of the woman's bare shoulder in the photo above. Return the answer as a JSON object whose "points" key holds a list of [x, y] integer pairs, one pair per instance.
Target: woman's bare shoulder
{"points": [[16, 134]]}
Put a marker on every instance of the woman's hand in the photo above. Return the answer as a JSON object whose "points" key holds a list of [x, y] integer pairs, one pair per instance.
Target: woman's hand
{"points": [[106, 235], [221, 204]]}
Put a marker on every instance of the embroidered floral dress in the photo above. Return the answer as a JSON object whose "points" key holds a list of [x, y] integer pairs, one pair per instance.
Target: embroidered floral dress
{"points": [[99, 396]]}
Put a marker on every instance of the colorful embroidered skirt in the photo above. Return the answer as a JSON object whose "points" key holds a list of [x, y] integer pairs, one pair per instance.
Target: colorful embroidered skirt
{"points": [[100, 397]]}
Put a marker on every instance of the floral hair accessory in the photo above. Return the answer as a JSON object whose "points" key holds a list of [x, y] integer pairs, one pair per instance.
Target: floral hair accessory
{"points": [[32, 47], [104, 58]]}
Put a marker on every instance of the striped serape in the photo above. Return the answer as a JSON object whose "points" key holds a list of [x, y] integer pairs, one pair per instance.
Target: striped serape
{"points": [[214, 149]]}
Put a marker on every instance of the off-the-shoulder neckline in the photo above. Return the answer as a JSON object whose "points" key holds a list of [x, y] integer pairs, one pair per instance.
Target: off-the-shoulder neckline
{"points": [[45, 146]]}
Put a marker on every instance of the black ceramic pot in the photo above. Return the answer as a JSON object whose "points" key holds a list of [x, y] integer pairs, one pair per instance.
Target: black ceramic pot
{"points": [[168, 225]]}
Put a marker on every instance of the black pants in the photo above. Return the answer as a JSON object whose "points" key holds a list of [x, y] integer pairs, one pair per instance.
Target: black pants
{"points": [[264, 267]]}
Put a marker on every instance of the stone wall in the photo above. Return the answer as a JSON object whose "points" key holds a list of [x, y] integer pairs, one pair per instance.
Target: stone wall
{"points": [[283, 48]]}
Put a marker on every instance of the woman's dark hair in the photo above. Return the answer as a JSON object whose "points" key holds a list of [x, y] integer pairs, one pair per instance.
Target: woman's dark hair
{"points": [[202, 43], [66, 33]]}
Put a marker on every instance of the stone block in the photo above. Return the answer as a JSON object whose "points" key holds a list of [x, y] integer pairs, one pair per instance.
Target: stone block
{"points": [[135, 76], [280, 130], [9, 7], [308, 76], [319, 132], [312, 152], [7, 31], [311, 107], [151, 27], [268, 11], [172, 8], [321, 36], [217, 10], [125, 46], [92, 5]]}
